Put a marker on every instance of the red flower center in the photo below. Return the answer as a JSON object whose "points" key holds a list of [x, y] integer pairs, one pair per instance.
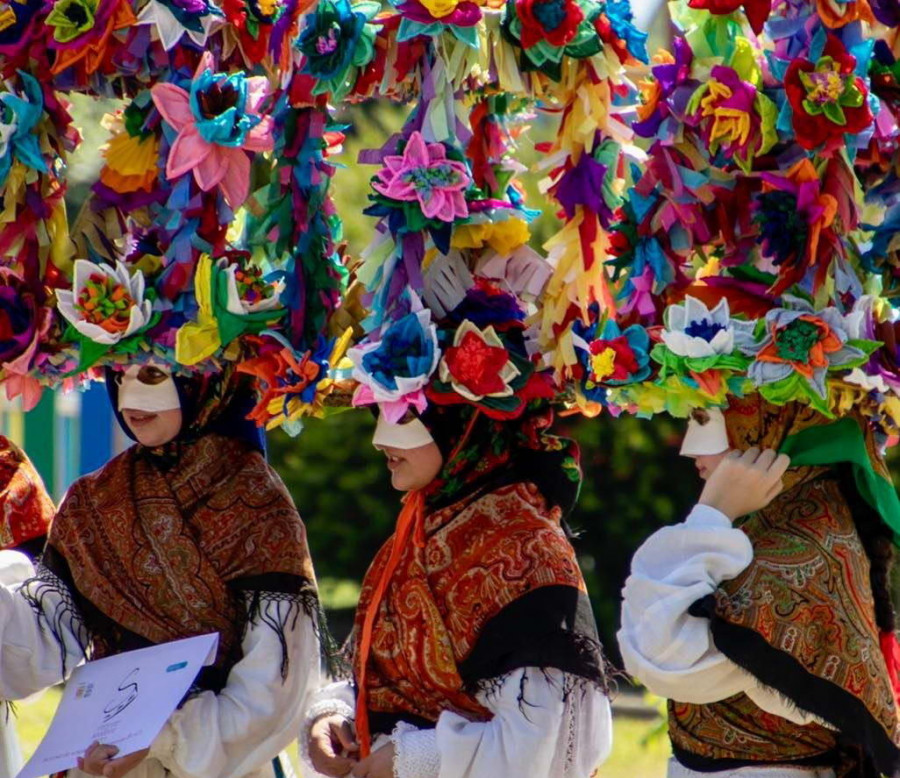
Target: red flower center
{"points": [[476, 365]]}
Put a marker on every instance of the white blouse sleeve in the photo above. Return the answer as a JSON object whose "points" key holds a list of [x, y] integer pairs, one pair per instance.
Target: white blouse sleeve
{"points": [[256, 715], [546, 724], [671, 652], [31, 658]]}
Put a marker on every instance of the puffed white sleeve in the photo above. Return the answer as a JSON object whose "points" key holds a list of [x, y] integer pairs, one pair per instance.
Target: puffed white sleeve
{"points": [[670, 651], [256, 715], [546, 724], [41, 632]]}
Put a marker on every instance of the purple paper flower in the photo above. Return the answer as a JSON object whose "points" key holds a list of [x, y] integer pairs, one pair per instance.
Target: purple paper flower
{"points": [[424, 174]]}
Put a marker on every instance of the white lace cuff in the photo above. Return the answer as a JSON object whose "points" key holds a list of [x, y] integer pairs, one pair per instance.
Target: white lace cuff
{"points": [[416, 753], [327, 707]]}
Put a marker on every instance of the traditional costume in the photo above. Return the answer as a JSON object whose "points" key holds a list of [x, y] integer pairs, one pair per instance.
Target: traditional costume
{"points": [[196, 536], [765, 636], [475, 648]]}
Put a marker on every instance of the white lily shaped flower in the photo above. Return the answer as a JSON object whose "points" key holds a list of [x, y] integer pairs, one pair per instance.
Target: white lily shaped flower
{"points": [[240, 306], [693, 330], [105, 304]]}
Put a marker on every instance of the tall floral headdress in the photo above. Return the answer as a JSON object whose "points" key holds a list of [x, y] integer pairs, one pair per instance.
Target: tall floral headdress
{"points": [[754, 252], [208, 236]]}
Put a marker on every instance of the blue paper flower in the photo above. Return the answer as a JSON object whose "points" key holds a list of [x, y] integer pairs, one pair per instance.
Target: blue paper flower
{"points": [[19, 116], [615, 357]]}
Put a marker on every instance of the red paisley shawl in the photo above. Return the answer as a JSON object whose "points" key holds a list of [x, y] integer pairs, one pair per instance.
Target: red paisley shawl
{"points": [[26, 507], [163, 553], [463, 565]]}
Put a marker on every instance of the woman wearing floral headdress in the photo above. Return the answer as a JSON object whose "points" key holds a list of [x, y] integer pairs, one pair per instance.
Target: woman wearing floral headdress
{"points": [[766, 616], [188, 532], [476, 653]]}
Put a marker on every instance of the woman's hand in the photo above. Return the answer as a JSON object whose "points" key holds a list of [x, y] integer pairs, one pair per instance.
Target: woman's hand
{"points": [[379, 764], [745, 482], [332, 746], [98, 760]]}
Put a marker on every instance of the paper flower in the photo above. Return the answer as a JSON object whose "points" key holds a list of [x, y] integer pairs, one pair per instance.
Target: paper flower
{"points": [[802, 343], [693, 330], [612, 357], [292, 383], [20, 114], [16, 25], [106, 305], [670, 75], [394, 370], [233, 299], [218, 122], [478, 365], [733, 117], [337, 38], [796, 224], [433, 17], [757, 11], [553, 21], [25, 319], [80, 30], [173, 19], [132, 155], [423, 174], [828, 99]]}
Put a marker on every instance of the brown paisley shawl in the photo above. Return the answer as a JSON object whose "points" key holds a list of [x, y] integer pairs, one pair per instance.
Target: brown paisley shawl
{"points": [[474, 558], [800, 618], [166, 553]]}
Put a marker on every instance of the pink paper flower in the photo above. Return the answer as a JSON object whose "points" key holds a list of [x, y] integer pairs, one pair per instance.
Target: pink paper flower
{"points": [[217, 122], [424, 173]]}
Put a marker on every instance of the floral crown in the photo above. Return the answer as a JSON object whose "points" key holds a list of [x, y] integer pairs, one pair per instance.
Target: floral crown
{"points": [[754, 252]]}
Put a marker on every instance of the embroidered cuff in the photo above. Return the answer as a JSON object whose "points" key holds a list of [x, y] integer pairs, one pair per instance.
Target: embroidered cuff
{"points": [[707, 516], [327, 707], [416, 753]]}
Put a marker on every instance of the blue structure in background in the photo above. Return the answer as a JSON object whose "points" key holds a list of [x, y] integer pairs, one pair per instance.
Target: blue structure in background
{"points": [[65, 435]]}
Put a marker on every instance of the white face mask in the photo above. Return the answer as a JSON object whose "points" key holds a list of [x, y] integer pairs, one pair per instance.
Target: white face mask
{"points": [[136, 395], [705, 439], [413, 434]]}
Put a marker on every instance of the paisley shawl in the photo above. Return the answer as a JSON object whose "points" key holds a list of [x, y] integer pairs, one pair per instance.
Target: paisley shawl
{"points": [[468, 562], [800, 618], [25, 507], [153, 554]]}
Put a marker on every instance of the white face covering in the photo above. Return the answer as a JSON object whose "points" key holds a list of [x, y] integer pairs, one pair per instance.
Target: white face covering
{"points": [[135, 395], [709, 438], [413, 434]]}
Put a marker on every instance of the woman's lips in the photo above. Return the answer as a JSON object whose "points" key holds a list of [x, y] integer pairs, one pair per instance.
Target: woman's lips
{"points": [[139, 418], [394, 462]]}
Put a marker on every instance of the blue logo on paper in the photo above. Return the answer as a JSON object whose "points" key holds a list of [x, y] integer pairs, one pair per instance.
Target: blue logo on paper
{"points": [[177, 666]]}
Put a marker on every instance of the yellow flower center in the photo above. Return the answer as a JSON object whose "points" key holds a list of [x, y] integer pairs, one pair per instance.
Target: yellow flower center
{"points": [[604, 363], [440, 8], [828, 85], [729, 124]]}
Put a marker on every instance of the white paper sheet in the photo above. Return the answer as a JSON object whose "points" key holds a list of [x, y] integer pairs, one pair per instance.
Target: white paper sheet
{"points": [[122, 700]]}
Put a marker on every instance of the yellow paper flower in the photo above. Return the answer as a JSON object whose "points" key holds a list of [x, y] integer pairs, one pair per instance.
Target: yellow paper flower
{"points": [[131, 163], [440, 8]]}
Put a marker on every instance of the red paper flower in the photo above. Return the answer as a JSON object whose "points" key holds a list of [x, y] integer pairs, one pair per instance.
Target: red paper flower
{"points": [[477, 365], [554, 21], [828, 99], [757, 11]]}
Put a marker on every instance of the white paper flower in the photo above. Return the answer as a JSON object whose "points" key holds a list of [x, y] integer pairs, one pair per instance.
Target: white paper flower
{"points": [[693, 330], [170, 30], [239, 304], [106, 304]]}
